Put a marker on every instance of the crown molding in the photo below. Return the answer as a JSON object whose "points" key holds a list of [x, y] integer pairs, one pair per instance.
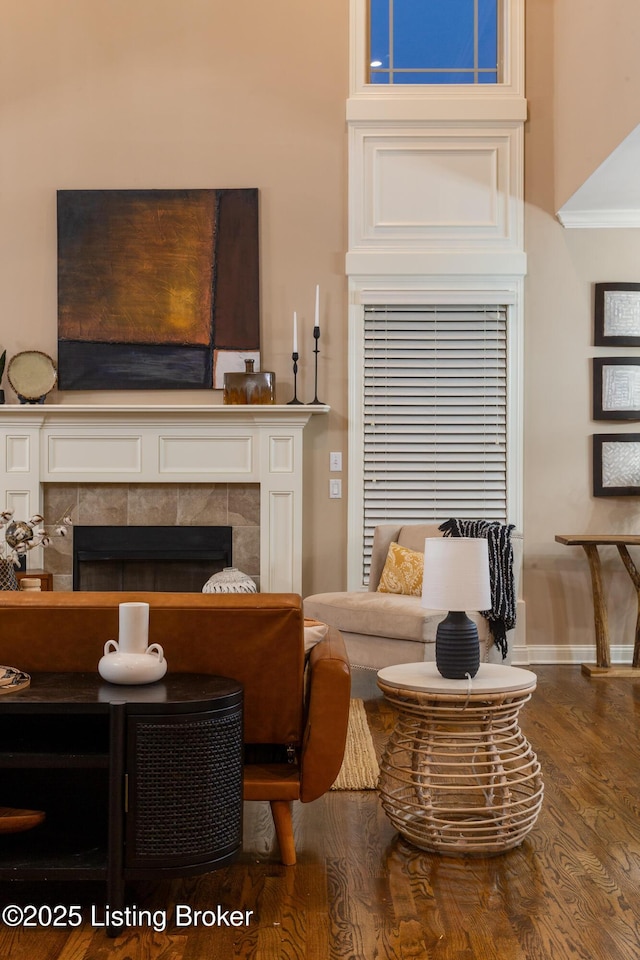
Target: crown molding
{"points": [[599, 219]]}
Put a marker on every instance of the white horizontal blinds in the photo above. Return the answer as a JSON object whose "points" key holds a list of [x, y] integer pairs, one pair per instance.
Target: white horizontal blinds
{"points": [[435, 416]]}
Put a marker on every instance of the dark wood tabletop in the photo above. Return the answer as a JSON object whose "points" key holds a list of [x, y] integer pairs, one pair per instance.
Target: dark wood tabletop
{"points": [[89, 693], [599, 539]]}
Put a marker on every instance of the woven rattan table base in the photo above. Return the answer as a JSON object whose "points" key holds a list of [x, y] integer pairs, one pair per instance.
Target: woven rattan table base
{"points": [[458, 776]]}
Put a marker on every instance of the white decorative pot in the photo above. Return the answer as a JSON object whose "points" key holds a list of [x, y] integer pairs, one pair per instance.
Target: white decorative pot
{"points": [[130, 668], [230, 580]]}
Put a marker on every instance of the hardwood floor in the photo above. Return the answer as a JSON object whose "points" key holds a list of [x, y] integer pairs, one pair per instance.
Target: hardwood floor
{"points": [[569, 891]]}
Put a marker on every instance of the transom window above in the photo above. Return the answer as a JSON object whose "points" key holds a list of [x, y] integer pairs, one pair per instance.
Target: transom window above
{"points": [[433, 41]]}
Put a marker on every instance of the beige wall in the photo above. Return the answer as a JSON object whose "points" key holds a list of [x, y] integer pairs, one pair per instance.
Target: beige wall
{"points": [[563, 265], [188, 93], [592, 48]]}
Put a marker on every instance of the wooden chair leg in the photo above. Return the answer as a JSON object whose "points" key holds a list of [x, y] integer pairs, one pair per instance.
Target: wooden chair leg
{"points": [[281, 812]]}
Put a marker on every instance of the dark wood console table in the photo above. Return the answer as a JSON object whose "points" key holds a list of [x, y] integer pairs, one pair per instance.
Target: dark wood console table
{"points": [[134, 780], [590, 544]]}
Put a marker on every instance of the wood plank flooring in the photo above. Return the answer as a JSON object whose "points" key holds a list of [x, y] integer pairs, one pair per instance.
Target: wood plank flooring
{"points": [[571, 890]]}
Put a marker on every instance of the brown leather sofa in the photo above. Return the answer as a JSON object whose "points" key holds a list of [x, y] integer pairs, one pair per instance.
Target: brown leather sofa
{"points": [[289, 713]]}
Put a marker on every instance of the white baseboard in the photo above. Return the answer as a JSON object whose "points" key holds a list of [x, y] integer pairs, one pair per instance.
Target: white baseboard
{"points": [[526, 656], [523, 656]]}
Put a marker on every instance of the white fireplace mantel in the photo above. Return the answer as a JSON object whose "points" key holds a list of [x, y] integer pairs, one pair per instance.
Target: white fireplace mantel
{"points": [[138, 443]]}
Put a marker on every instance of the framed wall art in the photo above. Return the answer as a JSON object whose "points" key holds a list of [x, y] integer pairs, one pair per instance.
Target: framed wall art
{"points": [[617, 315], [157, 289], [616, 388], [616, 464]]}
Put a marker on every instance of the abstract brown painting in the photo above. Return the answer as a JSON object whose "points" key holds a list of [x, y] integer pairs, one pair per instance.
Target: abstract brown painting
{"points": [[153, 285]]}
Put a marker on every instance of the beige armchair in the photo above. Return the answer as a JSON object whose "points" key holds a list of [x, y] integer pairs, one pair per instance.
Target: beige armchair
{"points": [[380, 629]]}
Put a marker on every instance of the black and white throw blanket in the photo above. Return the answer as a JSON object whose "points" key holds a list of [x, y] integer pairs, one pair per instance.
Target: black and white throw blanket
{"points": [[502, 616]]}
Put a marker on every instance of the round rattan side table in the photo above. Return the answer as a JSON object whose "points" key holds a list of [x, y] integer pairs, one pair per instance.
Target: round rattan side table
{"points": [[458, 776]]}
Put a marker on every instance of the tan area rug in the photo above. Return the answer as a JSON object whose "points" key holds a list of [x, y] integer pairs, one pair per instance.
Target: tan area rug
{"points": [[360, 768]]}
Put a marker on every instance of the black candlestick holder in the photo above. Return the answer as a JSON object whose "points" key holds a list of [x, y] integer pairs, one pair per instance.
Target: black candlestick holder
{"points": [[316, 337], [294, 357]]}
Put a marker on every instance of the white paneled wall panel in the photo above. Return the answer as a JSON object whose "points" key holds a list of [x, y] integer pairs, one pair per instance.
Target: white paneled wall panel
{"points": [[18, 454], [281, 552], [434, 188], [427, 187], [20, 502], [82, 455], [281, 454], [211, 456]]}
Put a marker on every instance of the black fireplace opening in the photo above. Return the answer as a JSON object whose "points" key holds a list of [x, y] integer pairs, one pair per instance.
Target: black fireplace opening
{"points": [[161, 559]]}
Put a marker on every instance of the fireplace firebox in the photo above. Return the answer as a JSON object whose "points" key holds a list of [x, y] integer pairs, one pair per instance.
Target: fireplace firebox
{"points": [[160, 558]]}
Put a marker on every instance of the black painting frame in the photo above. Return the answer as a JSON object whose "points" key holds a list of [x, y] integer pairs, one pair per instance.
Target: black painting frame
{"points": [[599, 411], [600, 489], [601, 337]]}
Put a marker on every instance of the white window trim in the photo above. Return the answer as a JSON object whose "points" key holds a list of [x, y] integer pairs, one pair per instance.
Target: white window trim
{"points": [[420, 269], [501, 101]]}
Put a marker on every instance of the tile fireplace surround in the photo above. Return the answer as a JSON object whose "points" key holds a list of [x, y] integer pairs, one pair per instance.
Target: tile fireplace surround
{"points": [[182, 448]]}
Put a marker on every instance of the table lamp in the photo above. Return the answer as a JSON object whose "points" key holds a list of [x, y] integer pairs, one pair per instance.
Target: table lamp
{"points": [[456, 578]]}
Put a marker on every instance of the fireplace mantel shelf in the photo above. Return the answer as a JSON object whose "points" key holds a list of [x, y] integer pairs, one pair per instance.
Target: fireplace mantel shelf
{"points": [[167, 443], [226, 412]]}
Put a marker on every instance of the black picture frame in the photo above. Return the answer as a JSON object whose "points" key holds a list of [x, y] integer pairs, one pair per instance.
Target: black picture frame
{"points": [[617, 315], [606, 470], [616, 388]]}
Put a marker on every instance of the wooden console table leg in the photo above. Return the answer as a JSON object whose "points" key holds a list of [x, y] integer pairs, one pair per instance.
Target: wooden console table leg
{"points": [[590, 543], [600, 618], [635, 577]]}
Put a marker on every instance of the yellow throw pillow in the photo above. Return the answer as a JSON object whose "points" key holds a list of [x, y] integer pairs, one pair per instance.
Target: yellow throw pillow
{"points": [[402, 572]]}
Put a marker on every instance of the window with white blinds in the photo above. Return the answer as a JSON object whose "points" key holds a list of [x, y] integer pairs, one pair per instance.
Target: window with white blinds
{"points": [[435, 417]]}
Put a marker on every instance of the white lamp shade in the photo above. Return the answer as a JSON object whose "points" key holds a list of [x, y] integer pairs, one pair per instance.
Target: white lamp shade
{"points": [[456, 574]]}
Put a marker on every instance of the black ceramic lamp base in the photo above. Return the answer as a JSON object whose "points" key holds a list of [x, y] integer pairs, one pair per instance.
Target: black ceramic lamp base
{"points": [[457, 646]]}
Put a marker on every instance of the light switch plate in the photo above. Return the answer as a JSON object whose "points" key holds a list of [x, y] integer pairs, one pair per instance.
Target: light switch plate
{"points": [[335, 489]]}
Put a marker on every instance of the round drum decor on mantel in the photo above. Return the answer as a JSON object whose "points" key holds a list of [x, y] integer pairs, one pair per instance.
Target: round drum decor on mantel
{"points": [[230, 580], [32, 374]]}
